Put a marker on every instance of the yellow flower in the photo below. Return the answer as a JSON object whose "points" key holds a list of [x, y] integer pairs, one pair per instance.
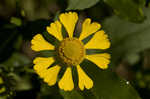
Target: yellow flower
{"points": [[71, 51]]}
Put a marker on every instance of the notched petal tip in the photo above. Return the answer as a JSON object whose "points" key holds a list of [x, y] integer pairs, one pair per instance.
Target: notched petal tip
{"points": [[51, 75], [99, 41], [84, 80], [69, 21], [42, 64], [89, 28], [38, 43], [55, 30], [66, 82], [101, 60]]}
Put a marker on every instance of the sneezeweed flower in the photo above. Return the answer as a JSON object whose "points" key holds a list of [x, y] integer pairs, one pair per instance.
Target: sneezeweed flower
{"points": [[70, 52]]}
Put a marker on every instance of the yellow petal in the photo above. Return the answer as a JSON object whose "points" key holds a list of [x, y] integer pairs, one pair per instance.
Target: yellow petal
{"points": [[69, 21], [55, 30], [84, 80], [42, 64], [98, 41], [66, 82], [39, 43], [88, 28], [51, 75], [1, 80], [101, 60]]}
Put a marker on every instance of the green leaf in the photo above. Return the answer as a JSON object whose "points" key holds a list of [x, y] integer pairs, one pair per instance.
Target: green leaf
{"points": [[132, 58], [127, 37], [22, 82], [16, 21], [71, 95], [128, 9], [17, 60], [8, 35], [81, 4], [47, 92], [18, 42], [3, 97], [30, 11], [140, 2], [107, 85]]}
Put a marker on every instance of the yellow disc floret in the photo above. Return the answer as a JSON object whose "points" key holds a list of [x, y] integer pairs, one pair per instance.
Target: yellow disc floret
{"points": [[71, 51]]}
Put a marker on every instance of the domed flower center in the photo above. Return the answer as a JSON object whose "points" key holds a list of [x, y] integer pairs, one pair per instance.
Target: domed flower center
{"points": [[71, 51]]}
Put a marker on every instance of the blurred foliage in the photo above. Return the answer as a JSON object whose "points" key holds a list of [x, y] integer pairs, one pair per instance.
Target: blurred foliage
{"points": [[128, 9], [126, 40], [126, 21], [78, 4]]}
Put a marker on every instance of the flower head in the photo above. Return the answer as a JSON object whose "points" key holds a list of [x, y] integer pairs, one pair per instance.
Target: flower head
{"points": [[71, 51]]}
